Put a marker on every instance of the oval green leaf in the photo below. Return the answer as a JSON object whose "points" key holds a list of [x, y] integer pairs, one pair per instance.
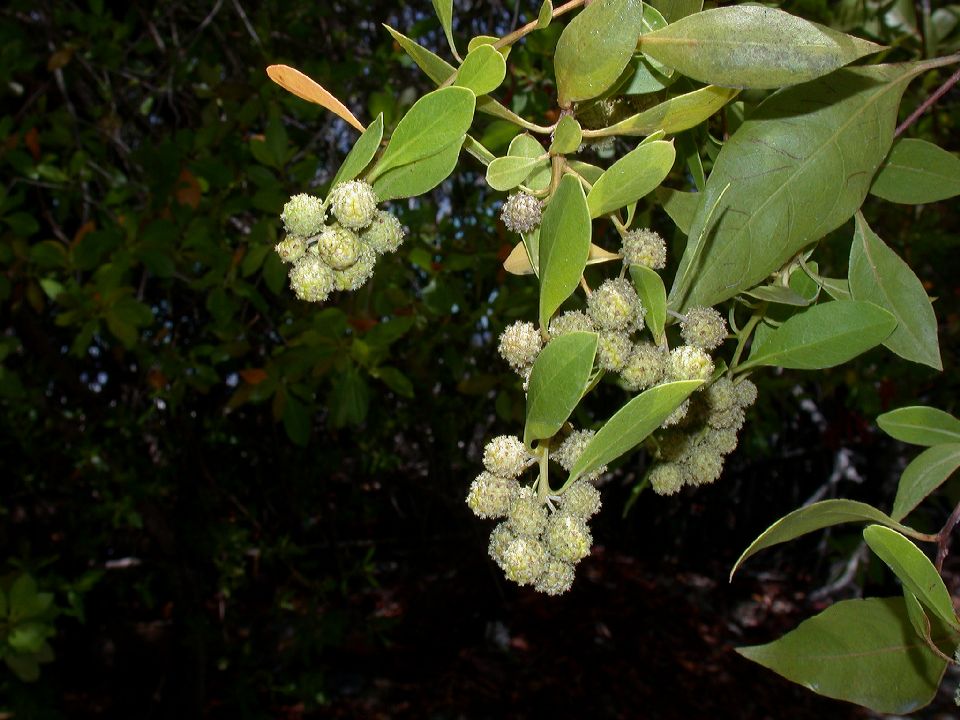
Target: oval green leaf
{"points": [[817, 516], [361, 153], [595, 48], [526, 145], [917, 172], [824, 336], [482, 71], [914, 569], [567, 136], [505, 173], [749, 46], [920, 425], [437, 120], [679, 205], [564, 246], [633, 176], [557, 382], [435, 67], [417, 177], [861, 651], [672, 116], [444, 10], [923, 475], [545, 15], [653, 295], [631, 425]]}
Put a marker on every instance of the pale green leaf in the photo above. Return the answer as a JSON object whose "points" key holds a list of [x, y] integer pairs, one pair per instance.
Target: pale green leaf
{"points": [[444, 10], [28, 637], [778, 294], [567, 136], [418, 177], [590, 173], [631, 425], [923, 475], [564, 246], [557, 382], [750, 46], [679, 205], [861, 651], [595, 47], [633, 176], [673, 115], [361, 153], [435, 67], [525, 145], [545, 15], [837, 288], [878, 275], [917, 172], [479, 40], [920, 425], [653, 296], [505, 173], [673, 10], [482, 71]]}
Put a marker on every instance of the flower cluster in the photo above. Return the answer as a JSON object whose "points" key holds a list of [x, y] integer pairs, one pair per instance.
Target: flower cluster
{"points": [[341, 255], [521, 212]]}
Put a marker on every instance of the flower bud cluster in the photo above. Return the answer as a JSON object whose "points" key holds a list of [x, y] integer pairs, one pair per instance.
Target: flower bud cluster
{"points": [[521, 212], [341, 255], [645, 247]]}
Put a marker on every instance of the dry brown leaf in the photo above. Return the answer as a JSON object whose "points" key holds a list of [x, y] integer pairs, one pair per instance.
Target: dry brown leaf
{"points": [[294, 81], [518, 263]]}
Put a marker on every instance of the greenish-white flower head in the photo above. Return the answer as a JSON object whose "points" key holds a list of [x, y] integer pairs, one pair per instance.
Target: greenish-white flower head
{"points": [[678, 415], [614, 350], [520, 343], [690, 363], [490, 496], [644, 368], [703, 465], [645, 247], [527, 516], [581, 499], [385, 234], [291, 248], [570, 321], [523, 560], [732, 419], [570, 450], [521, 212], [666, 478], [338, 247], [615, 306], [721, 395], [567, 537], [746, 392], [357, 274], [354, 204], [703, 327], [722, 440], [556, 578], [506, 456], [500, 538], [303, 215], [311, 279]]}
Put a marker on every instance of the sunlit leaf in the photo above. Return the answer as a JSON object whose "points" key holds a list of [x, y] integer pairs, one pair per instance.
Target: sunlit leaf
{"points": [[294, 81]]}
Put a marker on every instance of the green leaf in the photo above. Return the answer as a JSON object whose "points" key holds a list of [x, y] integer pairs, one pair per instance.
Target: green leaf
{"points": [[917, 172], [567, 136], [749, 46], [435, 67], [557, 382], [680, 206], [920, 425], [28, 637], [564, 246], [437, 120], [595, 47], [482, 71], [479, 40], [394, 379], [824, 336], [545, 15], [526, 145], [361, 153], [633, 176], [296, 420], [653, 295], [631, 425], [418, 177], [672, 116], [837, 288], [349, 399], [505, 173], [817, 516], [444, 10], [878, 275], [778, 294], [923, 475], [914, 569], [673, 10], [778, 165], [24, 667], [861, 651]]}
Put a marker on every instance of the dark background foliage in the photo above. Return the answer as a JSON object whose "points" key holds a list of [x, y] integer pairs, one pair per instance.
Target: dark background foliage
{"points": [[251, 507]]}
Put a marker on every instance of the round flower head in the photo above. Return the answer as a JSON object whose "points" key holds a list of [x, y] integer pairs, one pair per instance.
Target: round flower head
{"points": [[645, 367], [523, 560], [728, 419], [521, 212], [358, 273], [303, 215], [570, 321], [666, 479], [615, 306], [746, 393], [721, 395], [723, 440], [354, 204], [572, 447], [311, 279], [677, 415], [568, 537], [690, 363], [490, 496], [506, 456], [581, 499], [500, 538], [291, 248], [527, 515], [520, 343], [614, 350], [385, 233], [645, 247], [704, 328], [556, 578], [703, 466], [338, 247]]}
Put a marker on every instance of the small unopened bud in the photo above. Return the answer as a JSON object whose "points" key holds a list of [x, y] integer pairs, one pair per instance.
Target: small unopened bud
{"points": [[506, 456], [521, 212], [556, 578], [338, 247], [690, 363], [311, 279], [303, 215], [645, 247], [570, 321], [520, 343], [721, 395], [384, 234], [723, 440], [527, 515], [581, 499], [572, 448], [523, 560], [490, 496], [732, 419], [567, 537], [614, 350], [666, 478], [354, 204], [500, 538], [704, 328], [703, 466], [291, 248], [615, 306], [645, 367], [677, 415], [746, 393], [357, 274]]}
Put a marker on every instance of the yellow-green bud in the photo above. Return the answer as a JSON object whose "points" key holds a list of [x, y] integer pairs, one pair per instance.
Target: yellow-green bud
{"points": [[506, 456], [690, 363], [645, 367], [303, 215], [567, 537], [703, 466], [572, 448], [338, 247], [721, 395], [521, 212], [732, 418], [704, 328], [723, 440], [358, 273], [570, 321], [614, 350], [556, 578], [385, 233], [677, 415], [666, 479], [527, 515], [581, 499], [615, 306], [645, 247], [746, 393], [490, 496], [311, 279], [354, 204], [523, 560], [500, 538], [520, 343], [291, 248]]}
